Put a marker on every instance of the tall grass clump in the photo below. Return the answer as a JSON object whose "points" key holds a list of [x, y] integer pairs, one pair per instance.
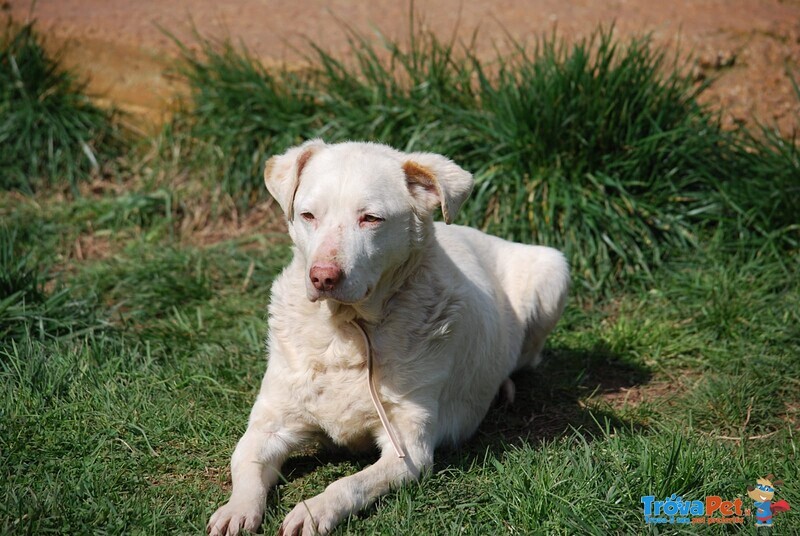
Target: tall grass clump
{"points": [[597, 148], [241, 111], [50, 132], [604, 151]]}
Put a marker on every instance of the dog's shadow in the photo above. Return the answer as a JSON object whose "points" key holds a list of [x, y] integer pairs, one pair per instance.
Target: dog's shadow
{"points": [[564, 395], [550, 403]]}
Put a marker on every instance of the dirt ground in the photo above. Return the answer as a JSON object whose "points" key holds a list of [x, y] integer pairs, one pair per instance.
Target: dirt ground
{"points": [[746, 46]]}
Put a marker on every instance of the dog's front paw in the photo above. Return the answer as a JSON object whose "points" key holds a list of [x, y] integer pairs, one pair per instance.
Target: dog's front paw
{"points": [[316, 516], [234, 517]]}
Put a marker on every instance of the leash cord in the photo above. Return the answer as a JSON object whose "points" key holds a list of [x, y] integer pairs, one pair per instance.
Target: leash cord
{"points": [[373, 393]]}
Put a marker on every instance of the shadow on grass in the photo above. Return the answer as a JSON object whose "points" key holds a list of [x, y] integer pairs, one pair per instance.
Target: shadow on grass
{"points": [[549, 399]]}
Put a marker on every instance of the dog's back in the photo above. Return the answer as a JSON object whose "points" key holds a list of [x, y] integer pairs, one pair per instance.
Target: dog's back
{"points": [[511, 296]]}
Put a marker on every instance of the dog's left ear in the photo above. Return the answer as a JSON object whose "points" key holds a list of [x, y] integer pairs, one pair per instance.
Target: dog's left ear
{"points": [[282, 173], [435, 180]]}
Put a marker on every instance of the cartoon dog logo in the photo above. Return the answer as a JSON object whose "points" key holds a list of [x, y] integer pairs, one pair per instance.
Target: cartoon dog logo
{"points": [[762, 494]]}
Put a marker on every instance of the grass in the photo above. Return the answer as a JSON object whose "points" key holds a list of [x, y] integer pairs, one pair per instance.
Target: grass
{"points": [[27, 310], [50, 132], [131, 339]]}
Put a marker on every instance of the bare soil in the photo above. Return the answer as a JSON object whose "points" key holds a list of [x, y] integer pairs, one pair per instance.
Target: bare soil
{"points": [[744, 46]]}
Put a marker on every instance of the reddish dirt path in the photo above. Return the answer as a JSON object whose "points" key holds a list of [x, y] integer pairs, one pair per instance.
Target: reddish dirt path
{"points": [[747, 44]]}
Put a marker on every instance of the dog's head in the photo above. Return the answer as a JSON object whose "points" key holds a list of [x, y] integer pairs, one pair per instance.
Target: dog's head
{"points": [[764, 490], [357, 211]]}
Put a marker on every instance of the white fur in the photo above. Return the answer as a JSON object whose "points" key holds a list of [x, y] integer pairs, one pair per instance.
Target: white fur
{"points": [[451, 313]]}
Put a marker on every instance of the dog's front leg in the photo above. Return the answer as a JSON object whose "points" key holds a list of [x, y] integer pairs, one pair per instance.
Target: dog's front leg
{"points": [[255, 468], [320, 514]]}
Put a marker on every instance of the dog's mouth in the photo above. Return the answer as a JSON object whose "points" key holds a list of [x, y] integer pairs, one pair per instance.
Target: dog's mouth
{"points": [[315, 295]]}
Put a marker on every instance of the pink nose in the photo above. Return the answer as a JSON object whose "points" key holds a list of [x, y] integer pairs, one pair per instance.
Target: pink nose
{"points": [[325, 276]]}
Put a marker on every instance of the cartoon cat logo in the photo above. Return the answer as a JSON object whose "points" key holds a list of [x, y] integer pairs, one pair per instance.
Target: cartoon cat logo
{"points": [[762, 494]]}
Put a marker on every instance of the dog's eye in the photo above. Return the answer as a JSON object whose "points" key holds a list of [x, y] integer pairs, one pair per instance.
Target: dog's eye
{"points": [[307, 216], [371, 218]]}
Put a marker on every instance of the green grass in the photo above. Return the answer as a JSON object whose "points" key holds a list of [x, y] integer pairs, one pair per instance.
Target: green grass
{"points": [[27, 310], [50, 132], [127, 372]]}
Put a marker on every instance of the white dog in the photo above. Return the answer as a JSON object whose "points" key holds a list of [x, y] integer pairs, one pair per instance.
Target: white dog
{"points": [[386, 328]]}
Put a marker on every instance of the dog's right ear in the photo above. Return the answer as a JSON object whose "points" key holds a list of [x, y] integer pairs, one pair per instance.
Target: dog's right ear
{"points": [[282, 173]]}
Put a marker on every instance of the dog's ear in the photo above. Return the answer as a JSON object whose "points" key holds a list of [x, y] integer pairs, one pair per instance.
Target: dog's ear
{"points": [[435, 180], [282, 173]]}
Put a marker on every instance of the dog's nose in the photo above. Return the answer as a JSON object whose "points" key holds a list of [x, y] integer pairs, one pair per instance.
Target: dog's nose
{"points": [[325, 276]]}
